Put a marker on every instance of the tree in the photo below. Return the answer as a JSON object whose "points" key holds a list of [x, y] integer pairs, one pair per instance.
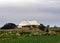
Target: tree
{"points": [[55, 26], [42, 27], [47, 28], [9, 26]]}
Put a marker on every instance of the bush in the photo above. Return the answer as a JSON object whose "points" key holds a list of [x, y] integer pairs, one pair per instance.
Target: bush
{"points": [[42, 27], [9, 26], [25, 33]]}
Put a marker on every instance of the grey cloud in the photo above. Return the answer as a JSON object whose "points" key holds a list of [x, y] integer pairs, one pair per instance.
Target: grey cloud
{"points": [[33, 11], [21, 12]]}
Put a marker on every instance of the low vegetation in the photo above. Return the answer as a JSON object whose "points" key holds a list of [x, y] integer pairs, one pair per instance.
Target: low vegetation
{"points": [[34, 39], [10, 33]]}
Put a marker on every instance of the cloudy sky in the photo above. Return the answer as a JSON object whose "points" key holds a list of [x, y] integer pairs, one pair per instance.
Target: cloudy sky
{"points": [[44, 11]]}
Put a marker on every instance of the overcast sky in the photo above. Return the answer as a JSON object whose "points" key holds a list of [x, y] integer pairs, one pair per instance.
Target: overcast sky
{"points": [[44, 11]]}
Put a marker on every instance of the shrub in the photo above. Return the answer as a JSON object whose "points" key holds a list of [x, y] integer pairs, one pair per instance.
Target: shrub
{"points": [[25, 33], [9, 26], [42, 27]]}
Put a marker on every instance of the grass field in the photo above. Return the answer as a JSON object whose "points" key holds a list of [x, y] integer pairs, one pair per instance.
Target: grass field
{"points": [[34, 39]]}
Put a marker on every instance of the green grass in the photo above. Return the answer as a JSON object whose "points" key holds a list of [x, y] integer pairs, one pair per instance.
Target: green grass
{"points": [[34, 39]]}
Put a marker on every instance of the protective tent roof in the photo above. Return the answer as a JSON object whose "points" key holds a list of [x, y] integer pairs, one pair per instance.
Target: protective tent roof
{"points": [[33, 22], [23, 23]]}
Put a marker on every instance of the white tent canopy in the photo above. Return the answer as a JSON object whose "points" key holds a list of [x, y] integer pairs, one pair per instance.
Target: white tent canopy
{"points": [[25, 23], [33, 23]]}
